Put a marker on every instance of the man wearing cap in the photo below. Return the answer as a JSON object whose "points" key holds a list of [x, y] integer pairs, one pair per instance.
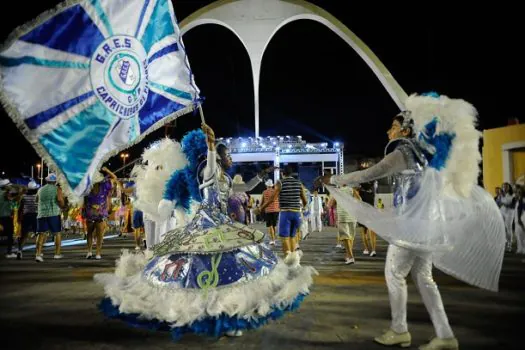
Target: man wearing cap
{"points": [[272, 209], [50, 200], [6, 215], [291, 201], [27, 215]]}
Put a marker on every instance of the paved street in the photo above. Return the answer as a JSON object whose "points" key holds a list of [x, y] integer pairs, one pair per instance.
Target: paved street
{"points": [[52, 305]]}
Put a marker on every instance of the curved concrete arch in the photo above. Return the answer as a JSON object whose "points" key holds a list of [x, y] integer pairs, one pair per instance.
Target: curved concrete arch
{"points": [[193, 24], [393, 88], [190, 25], [255, 22]]}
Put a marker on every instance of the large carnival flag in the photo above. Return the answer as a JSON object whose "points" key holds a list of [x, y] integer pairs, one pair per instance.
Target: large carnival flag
{"points": [[92, 77]]}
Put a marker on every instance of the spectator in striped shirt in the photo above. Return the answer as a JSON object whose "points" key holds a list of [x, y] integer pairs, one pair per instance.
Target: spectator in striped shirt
{"points": [[290, 193], [6, 215], [28, 211]]}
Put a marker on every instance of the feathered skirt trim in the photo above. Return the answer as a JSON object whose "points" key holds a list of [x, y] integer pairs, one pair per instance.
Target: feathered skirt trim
{"points": [[214, 311]]}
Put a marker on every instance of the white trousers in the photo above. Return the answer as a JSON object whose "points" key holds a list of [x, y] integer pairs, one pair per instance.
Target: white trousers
{"points": [[520, 234], [399, 262], [155, 231], [149, 232], [317, 223], [508, 218], [163, 228]]}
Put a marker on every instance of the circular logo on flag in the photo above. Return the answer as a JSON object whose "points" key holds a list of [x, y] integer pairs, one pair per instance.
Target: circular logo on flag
{"points": [[119, 75]]}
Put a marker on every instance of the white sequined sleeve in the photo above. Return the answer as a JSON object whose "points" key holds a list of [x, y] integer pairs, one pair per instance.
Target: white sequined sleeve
{"points": [[211, 165], [250, 185], [393, 163]]}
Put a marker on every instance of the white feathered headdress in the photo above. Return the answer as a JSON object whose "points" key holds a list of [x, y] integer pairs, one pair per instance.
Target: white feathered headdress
{"points": [[446, 129], [159, 161]]}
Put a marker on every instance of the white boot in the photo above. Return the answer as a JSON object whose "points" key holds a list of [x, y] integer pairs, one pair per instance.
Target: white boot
{"points": [[392, 338], [236, 333], [441, 344], [293, 259]]}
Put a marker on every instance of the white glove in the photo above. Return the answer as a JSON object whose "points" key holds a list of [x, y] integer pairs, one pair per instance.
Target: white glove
{"points": [[165, 208]]}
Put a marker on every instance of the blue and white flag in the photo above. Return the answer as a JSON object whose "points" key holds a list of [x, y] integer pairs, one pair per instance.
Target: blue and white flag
{"points": [[93, 77]]}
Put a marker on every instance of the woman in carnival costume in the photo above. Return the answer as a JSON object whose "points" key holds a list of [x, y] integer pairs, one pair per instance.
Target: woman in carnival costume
{"points": [[440, 216], [212, 276], [96, 206]]}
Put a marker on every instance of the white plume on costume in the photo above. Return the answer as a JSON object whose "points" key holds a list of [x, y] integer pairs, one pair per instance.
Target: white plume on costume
{"points": [[457, 117], [159, 161], [166, 207], [184, 217]]}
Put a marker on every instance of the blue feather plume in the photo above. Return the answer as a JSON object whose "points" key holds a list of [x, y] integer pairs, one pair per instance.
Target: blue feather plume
{"points": [[194, 146], [177, 190], [183, 187], [436, 146], [431, 94]]}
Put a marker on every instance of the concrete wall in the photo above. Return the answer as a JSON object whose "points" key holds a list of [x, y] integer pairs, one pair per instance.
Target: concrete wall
{"points": [[494, 163], [518, 163]]}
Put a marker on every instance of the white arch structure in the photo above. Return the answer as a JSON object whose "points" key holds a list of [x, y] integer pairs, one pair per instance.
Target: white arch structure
{"points": [[255, 22]]}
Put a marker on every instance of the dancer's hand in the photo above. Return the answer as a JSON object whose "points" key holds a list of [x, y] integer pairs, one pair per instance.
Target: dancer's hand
{"points": [[322, 180], [210, 136]]}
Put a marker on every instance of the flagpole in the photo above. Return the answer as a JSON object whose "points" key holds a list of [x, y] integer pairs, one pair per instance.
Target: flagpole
{"points": [[202, 114], [126, 165]]}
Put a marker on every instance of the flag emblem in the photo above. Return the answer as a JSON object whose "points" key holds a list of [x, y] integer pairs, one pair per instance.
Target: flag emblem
{"points": [[93, 77], [119, 75]]}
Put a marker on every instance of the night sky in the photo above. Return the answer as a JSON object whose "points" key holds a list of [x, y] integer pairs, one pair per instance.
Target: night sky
{"points": [[312, 81]]}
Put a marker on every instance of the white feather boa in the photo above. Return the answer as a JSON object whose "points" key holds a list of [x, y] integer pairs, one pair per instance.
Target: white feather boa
{"points": [[158, 163], [458, 117], [133, 294]]}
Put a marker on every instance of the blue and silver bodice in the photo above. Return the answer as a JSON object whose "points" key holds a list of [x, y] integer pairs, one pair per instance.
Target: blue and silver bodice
{"points": [[407, 182], [217, 188]]}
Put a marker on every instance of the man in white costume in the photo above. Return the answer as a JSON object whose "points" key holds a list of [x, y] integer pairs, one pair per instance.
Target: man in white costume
{"points": [[316, 210], [457, 233]]}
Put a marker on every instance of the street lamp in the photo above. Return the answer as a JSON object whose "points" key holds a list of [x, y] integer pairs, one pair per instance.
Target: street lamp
{"points": [[38, 174], [124, 156]]}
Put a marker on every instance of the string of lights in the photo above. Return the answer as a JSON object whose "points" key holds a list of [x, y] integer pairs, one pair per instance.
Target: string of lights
{"points": [[284, 144]]}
